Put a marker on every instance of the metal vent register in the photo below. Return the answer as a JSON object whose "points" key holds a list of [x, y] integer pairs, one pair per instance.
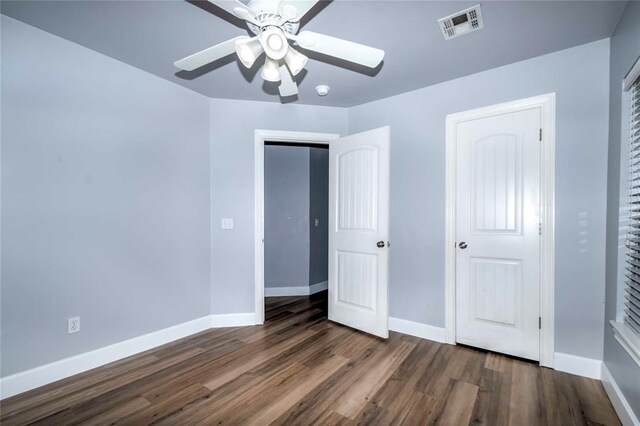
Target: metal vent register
{"points": [[463, 22]]}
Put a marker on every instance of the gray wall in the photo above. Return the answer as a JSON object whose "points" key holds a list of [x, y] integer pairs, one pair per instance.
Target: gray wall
{"points": [[625, 48], [286, 216], [105, 203], [233, 125], [319, 208], [580, 78]]}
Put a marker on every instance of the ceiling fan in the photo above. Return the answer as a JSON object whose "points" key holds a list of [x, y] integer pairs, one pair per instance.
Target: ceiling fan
{"points": [[275, 24]]}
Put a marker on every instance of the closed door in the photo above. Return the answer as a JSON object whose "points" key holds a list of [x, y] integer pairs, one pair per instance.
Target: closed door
{"points": [[497, 233], [359, 231]]}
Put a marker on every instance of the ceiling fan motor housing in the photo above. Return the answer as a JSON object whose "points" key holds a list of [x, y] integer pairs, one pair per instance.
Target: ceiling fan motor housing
{"points": [[267, 14]]}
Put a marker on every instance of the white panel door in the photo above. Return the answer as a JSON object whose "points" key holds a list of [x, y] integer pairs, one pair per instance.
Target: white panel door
{"points": [[359, 231], [497, 233]]}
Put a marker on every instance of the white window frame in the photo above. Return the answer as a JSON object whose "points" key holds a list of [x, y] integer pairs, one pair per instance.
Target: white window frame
{"points": [[627, 338]]}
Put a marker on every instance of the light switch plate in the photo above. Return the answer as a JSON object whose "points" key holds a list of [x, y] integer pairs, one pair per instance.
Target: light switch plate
{"points": [[227, 223]]}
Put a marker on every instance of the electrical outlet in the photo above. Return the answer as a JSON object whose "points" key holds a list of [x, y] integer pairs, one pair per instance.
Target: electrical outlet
{"points": [[317, 222], [74, 325], [227, 223]]}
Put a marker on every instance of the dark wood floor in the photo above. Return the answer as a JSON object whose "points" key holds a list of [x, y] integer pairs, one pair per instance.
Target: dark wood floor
{"points": [[301, 369]]}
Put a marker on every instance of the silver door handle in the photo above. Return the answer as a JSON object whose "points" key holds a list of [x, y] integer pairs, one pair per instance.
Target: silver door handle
{"points": [[380, 244], [462, 245]]}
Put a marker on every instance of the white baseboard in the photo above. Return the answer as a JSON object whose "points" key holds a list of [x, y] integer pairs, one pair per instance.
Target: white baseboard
{"points": [[286, 291], [618, 400], [318, 287], [304, 290], [417, 329], [48, 373], [580, 366], [233, 320]]}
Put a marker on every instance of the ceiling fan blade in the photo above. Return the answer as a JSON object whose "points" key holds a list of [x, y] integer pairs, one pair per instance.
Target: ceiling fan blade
{"points": [[288, 86], [206, 56], [339, 48], [237, 9], [300, 8]]}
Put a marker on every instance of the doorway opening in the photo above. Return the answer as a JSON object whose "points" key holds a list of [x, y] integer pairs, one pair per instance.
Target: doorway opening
{"points": [[358, 226], [296, 208], [262, 138]]}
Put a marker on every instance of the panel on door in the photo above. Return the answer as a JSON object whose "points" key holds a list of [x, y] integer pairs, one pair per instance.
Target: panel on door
{"points": [[359, 231], [497, 233]]}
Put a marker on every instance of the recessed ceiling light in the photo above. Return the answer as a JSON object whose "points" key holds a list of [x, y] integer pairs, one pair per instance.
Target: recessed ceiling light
{"points": [[322, 90]]}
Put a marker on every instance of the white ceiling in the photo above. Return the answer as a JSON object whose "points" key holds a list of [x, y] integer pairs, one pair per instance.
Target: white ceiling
{"points": [[151, 35]]}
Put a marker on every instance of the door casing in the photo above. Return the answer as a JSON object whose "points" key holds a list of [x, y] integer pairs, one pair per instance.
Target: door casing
{"points": [[262, 136], [547, 208]]}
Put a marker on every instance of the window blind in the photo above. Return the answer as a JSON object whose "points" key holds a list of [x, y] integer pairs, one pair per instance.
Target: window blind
{"points": [[632, 282]]}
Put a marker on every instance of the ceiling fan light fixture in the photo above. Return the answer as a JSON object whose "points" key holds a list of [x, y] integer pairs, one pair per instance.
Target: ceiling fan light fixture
{"points": [[248, 50], [295, 60], [275, 24], [271, 70], [274, 42]]}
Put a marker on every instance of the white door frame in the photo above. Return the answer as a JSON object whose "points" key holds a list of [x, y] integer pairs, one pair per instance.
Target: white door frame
{"points": [[547, 105], [262, 136]]}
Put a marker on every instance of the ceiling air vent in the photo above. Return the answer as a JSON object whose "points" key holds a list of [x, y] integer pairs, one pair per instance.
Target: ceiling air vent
{"points": [[460, 23]]}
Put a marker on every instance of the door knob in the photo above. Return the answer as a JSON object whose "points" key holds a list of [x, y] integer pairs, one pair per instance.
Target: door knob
{"points": [[380, 244], [462, 245]]}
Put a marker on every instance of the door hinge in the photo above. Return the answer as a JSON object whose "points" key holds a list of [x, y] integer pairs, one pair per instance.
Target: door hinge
{"points": [[539, 228], [540, 137], [539, 323]]}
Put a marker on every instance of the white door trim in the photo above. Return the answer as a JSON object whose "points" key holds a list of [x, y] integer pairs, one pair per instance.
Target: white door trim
{"points": [[262, 136], [547, 104]]}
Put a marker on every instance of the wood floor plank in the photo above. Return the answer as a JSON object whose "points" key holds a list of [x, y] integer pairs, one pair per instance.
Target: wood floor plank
{"points": [[72, 384], [328, 418], [291, 321], [165, 382], [458, 405], [472, 366], [447, 363], [239, 410], [241, 365], [160, 409], [108, 402], [494, 396], [567, 400], [594, 401], [367, 384], [372, 414], [420, 408], [110, 416], [50, 407], [301, 369], [498, 362], [525, 406], [296, 391], [217, 399]]}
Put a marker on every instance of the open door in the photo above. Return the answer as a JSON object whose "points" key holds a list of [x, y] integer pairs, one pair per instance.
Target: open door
{"points": [[359, 231]]}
